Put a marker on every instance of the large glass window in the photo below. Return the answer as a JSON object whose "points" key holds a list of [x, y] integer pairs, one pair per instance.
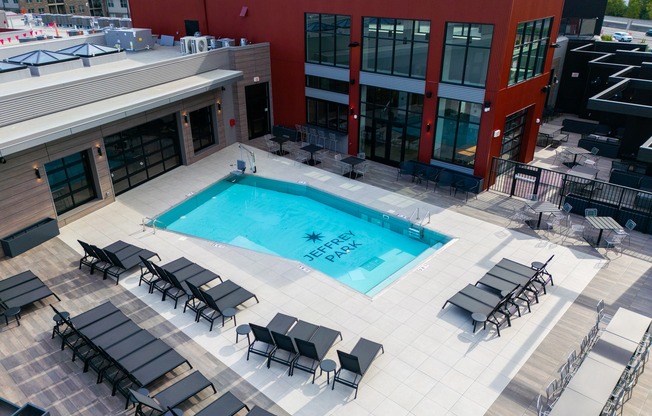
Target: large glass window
{"points": [[201, 126], [513, 137], [456, 136], [467, 48], [327, 114], [390, 124], [395, 46], [327, 39], [530, 48], [141, 153], [327, 84], [71, 181]]}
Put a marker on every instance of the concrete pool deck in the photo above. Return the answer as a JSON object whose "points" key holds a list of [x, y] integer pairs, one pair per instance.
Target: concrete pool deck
{"points": [[433, 364]]}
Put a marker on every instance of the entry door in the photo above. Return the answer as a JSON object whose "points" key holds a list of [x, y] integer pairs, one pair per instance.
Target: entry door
{"points": [[258, 117], [388, 142]]}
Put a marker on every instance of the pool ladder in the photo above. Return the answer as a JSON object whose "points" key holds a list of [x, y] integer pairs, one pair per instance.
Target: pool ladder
{"points": [[153, 221], [415, 230]]}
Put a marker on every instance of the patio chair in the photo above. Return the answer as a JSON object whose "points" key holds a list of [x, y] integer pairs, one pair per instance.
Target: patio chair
{"points": [[89, 258], [445, 179], [361, 170], [591, 212], [175, 394], [23, 289], [313, 351], [564, 214], [343, 168], [226, 405], [574, 229], [405, 168], [197, 303], [592, 159], [561, 157], [217, 300], [467, 185], [615, 242], [357, 362], [124, 260], [629, 226], [281, 324], [332, 142]]}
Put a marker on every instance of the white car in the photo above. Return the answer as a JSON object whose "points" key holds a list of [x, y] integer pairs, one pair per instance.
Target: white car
{"points": [[622, 37]]}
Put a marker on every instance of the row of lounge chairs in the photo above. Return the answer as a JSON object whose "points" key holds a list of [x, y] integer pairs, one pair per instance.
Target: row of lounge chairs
{"points": [[121, 352], [183, 278], [114, 259], [303, 345], [499, 294], [23, 289]]}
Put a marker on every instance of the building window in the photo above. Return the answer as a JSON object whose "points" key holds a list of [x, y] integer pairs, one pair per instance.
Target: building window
{"points": [[327, 39], [82, 9], [327, 84], [327, 114], [456, 136], [467, 48], [530, 48], [71, 181], [41, 10], [513, 136], [144, 152], [390, 124], [577, 26], [109, 3], [395, 46], [123, 4], [201, 126], [72, 9]]}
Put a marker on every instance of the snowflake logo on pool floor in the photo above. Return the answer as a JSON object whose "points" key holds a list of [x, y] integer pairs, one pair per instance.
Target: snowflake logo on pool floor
{"points": [[314, 237]]}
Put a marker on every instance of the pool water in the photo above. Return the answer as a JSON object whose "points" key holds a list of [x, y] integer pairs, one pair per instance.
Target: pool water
{"points": [[360, 247]]}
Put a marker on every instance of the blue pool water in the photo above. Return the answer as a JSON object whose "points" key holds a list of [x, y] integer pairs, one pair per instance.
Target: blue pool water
{"points": [[358, 246]]}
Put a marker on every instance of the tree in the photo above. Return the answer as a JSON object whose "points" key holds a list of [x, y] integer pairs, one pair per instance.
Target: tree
{"points": [[616, 8], [634, 9]]}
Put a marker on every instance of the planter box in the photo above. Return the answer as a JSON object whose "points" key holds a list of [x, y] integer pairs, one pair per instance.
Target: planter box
{"points": [[30, 237]]}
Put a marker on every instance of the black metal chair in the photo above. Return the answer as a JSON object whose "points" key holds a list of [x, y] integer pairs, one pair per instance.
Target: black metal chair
{"points": [[357, 363]]}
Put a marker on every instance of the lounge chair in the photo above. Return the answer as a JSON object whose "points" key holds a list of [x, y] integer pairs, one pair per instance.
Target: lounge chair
{"points": [[197, 303], [543, 275], [258, 411], [124, 260], [313, 351], [175, 394], [225, 405], [479, 301], [281, 324], [356, 362], [151, 275], [23, 289], [286, 351]]}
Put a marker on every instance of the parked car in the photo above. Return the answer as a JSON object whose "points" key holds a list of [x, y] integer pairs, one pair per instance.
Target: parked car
{"points": [[622, 37], [649, 32]]}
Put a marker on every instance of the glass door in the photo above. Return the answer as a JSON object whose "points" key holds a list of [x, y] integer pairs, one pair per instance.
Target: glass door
{"points": [[258, 116]]}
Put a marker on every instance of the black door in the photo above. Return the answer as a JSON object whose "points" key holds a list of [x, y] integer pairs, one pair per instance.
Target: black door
{"points": [[258, 118], [387, 144], [192, 27]]}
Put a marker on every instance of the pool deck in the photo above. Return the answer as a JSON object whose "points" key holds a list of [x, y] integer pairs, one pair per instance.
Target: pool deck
{"points": [[433, 363]]}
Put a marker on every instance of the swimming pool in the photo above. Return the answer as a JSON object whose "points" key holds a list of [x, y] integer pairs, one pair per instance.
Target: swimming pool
{"points": [[358, 246]]}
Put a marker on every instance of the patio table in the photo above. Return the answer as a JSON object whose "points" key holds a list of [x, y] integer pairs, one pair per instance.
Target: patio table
{"points": [[629, 325], [602, 223], [280, 141], [575, 151], [540, 207], [352, 160], [312, 148]]}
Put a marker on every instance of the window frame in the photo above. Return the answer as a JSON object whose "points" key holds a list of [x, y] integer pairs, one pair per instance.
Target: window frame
{"points": [[531, 36], [340, 29], [467, 33]]}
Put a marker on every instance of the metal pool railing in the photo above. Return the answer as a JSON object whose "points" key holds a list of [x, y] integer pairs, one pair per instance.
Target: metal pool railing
{"points": [[619, 202]]}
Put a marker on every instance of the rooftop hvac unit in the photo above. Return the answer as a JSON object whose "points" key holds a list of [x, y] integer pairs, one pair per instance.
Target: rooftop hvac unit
{"points": [[186, 45], [199, 44]]}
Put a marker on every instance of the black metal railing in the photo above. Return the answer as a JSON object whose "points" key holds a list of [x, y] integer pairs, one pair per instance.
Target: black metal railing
{"points": [[616, 201]]}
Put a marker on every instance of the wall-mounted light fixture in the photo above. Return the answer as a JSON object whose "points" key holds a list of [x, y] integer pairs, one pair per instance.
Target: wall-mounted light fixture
{"points": [[223, 89], [219, 107], [354, 44], [428, 127], [496, 133], [185, 118], [487, 106], [538, 121], [37, 173], [545, 88], [555, 45], [428, 94], [352, 81], [351, 110], [99, 149]]}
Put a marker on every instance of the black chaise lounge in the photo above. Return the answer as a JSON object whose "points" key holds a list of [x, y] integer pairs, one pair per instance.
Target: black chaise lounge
{"points": [[476, 300], [23, 289], [225, 405], [286, 351], [215, 300], [114, 259], [259, 411], [313, 351], [173, 395], [263, 343], [357, 362]]}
